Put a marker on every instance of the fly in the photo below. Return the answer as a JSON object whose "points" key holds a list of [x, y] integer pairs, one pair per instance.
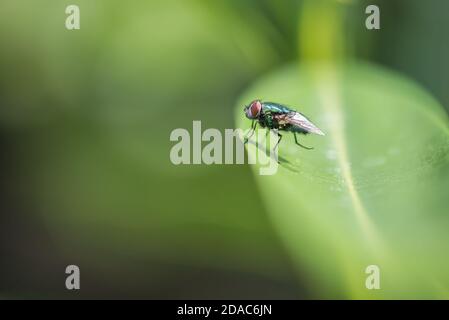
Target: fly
{"points": [[275, 116]]}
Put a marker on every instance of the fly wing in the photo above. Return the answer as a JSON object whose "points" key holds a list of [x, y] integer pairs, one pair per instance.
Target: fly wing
{"points": [[300, 121]]}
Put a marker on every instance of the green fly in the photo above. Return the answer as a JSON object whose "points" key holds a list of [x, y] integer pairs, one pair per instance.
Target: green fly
{"points": [[275, 116]]}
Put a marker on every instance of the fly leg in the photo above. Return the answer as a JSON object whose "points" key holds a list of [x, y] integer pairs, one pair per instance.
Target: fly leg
{"points": [[252, 130], [280, 138], [267, 134], [296, 141]]}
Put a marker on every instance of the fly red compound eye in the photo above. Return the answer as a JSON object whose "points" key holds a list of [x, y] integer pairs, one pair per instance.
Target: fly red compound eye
{"points": [[255, 108]]}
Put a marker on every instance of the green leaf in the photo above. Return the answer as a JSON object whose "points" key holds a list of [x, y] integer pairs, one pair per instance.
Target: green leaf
{"points": [[375, 189]]}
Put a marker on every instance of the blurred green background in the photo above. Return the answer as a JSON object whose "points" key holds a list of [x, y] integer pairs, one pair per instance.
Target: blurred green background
{"points": [[85, 119]]}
